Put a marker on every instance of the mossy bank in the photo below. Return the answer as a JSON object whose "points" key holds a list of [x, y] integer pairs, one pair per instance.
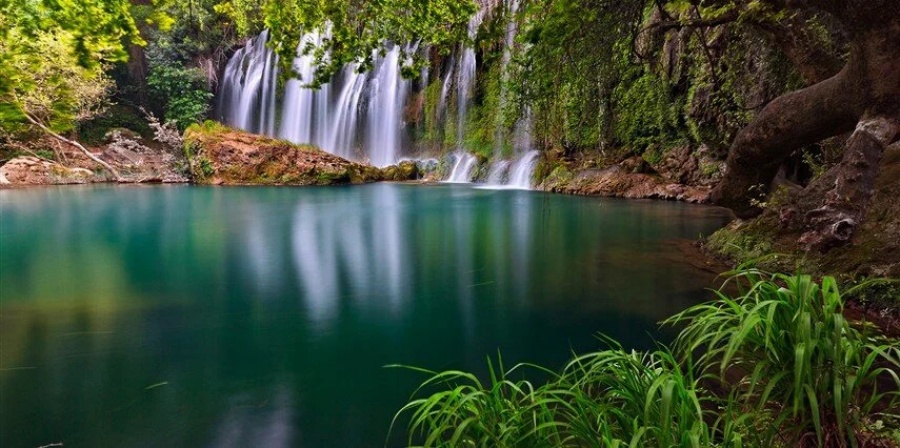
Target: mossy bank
{"points": [[223, 156]]}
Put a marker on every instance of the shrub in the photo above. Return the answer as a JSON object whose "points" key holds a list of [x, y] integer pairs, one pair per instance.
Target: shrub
{"points": [[182, 92]]}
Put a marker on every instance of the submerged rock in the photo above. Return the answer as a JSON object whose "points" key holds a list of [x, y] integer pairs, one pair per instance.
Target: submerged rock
{"points": [[221, 155]]}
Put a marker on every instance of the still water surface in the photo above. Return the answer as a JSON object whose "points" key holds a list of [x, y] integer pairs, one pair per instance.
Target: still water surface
{"points": [[231, 317]]}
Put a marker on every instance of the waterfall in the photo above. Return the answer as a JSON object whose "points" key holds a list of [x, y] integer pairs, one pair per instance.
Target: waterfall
{"points": [[445, 89], [297, 115], [512, 7], [499, 170], [464, 84], [522, 171], [248, 95], [353, 111], [463, 168], [465, 77], [341, 135], [361, 116], [386, 102]]}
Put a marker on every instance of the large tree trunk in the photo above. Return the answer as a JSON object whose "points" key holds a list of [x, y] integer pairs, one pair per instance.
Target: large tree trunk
{"points": [[864, 96], [789, 122], [137, 71]]}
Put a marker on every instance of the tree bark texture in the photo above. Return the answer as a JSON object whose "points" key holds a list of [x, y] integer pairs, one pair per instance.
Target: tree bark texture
{"points": [[864, 97]]}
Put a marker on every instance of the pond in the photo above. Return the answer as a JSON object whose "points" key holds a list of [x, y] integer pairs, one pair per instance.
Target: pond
{"points": [[258, 316]]}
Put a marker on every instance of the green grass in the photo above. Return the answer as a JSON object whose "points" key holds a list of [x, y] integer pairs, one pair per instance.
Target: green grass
{"points": [[786, 367], [803, 369]]}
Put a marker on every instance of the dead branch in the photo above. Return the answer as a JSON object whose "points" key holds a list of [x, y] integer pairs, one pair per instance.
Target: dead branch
{"points": [[84, 150]]}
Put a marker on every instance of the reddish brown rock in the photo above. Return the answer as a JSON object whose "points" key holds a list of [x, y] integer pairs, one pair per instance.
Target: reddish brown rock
{"points": [[625, 180], [224, 156]]}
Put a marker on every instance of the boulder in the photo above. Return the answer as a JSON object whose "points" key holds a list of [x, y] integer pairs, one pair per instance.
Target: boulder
{"points": [[221, 155]]}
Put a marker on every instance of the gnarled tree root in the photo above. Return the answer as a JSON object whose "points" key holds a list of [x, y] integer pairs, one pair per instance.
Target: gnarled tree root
{"points": [[834, 223]]}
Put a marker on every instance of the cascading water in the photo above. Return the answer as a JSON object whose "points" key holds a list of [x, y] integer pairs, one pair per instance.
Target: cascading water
{"points": [[522, 171], [343, 127], [445, 89], [386, 100], [361, 115], [463, 168], [248, 94], [512, 29], [515, 175], [499, 171], [299, 101], [465, 78], [328, 117]]}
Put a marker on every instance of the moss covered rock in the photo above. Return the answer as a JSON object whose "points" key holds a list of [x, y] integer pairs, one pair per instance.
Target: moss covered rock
{"points": [[221, 155], [874, 250]]}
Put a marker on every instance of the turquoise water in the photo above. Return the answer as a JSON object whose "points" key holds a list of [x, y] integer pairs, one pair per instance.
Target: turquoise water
{"points": [[196, 316]]}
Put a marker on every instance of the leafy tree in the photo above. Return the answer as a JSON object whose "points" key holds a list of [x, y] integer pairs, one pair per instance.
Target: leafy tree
{"points": [[355, 30], [52, 61], [183, 93]]}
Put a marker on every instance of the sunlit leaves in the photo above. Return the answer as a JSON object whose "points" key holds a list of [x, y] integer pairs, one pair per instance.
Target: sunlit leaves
{"points": [[52, 57], [353, 31]]}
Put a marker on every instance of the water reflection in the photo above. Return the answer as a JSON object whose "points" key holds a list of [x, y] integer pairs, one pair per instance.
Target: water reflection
{"points": [[190, 316]]}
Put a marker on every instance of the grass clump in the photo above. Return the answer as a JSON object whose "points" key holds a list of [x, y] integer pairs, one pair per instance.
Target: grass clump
{"points": [[775, 364], [608, 398]]}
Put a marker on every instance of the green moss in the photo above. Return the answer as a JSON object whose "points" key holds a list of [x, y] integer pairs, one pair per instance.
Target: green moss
{"points": [[741, 242], [878, 293], [332, 177], [553, 174], [709, 169], [432, 133], [653, 155], [486, 121], [646, 113]]}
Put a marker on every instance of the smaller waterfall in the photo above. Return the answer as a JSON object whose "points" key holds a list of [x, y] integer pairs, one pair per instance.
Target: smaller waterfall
{"points": [[523, 170], [499, 172], [463, 168], [445, 88], [464, 86], [465, 77]]}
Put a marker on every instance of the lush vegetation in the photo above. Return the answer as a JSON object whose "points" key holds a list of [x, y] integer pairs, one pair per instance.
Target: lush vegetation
{"points": [[53, 64], [775, 365]]}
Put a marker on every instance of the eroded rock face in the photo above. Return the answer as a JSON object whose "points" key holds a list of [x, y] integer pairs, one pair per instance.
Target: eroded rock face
{"points": [[688, 165], [224, 156], [629, 179], [126, 153], [873, 249], [34, 171]]}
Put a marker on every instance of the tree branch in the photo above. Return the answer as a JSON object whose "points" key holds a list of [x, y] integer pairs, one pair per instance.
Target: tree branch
{"points": [[90, 155], [728, 17]]}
